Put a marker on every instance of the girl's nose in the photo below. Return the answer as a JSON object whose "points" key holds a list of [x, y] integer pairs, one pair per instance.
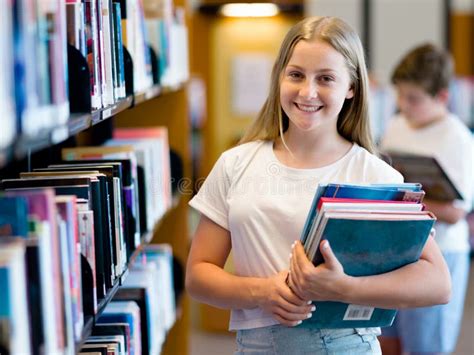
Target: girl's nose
{"points": [[309, 89]]}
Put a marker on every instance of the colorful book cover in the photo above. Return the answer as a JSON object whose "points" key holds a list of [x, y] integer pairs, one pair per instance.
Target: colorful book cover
{"points": [[125, 312], [67, 208], [42, 215], [13, 216], [396, 192], [85, 220], [368, 247], [92, 42], [7, 84], [14, 320], [117, 16]]}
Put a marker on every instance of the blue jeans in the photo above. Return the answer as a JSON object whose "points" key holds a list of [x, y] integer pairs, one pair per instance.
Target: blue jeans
{"points": [[281, 340], [435, 329]]}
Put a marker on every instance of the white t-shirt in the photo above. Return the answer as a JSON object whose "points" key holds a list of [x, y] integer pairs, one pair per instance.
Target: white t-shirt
{"points": [[450, 142], [264, 204]]}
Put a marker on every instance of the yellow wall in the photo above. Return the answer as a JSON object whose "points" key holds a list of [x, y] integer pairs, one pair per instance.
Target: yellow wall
{"points": [[230, 37], [462, 42], [217, 41]]}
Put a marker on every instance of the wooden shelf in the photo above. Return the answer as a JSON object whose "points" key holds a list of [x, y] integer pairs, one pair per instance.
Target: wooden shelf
{"points": [[147, 95], [76, 123]]}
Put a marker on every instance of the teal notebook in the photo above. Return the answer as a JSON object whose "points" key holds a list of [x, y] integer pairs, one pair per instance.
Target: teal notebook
{"points": [[368, 247], [394, 192]]}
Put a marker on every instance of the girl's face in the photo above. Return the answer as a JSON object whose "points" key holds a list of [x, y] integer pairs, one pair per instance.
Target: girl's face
{"points": [[314, 86]]}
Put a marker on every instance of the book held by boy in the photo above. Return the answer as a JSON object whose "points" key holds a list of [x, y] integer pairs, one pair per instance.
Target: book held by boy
{"points": [[427, 171]]}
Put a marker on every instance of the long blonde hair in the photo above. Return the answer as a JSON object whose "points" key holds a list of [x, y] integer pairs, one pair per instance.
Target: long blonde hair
{"points": [[353, 121]]}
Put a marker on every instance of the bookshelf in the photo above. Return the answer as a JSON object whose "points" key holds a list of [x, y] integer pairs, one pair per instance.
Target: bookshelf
{"points": [[170, 109], [152, 105]]}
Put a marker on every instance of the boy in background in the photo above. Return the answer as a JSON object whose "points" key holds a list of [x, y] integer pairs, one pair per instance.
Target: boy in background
{"points": [[424, 126]]}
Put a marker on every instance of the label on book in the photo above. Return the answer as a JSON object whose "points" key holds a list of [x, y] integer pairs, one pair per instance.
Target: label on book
{"points": [[356, 312]]}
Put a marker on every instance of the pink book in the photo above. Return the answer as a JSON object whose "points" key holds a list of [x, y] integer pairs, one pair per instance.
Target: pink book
{"points": [[68, 211], [157, 132]]}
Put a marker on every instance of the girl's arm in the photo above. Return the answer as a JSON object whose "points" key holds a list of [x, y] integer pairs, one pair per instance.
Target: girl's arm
{"points": [[208, 282], [445, 211], [423, 283]]}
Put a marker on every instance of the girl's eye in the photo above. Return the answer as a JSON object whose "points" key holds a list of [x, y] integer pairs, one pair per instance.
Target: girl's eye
{"points": [[295, 75], [326, 78]]}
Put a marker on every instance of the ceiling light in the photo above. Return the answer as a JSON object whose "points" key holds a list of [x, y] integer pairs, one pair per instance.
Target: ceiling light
{"points": [[249, 10]]}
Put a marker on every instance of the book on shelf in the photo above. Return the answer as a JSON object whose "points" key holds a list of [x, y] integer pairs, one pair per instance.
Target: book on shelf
{"points": [[121, 170], [7, 88], [76, 26], [43, 230], [115, 343], [152, 152], [101, 349], [119, 57], [71, 266], [138, 296], [160, 256], [135, 192], [161, 171], [14, 320], [52, 14], [92, 42], [117, 329], [85, 218], [372, 229], [429, 172], [111, 204], [113, 187], [126, 312], [91, 189]]}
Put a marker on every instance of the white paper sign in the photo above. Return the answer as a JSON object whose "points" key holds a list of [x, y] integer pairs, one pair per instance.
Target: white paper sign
{"points": [[250, 82]]}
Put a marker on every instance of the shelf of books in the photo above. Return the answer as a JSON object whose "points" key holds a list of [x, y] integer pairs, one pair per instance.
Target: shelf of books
{"points": [[78, 268]]}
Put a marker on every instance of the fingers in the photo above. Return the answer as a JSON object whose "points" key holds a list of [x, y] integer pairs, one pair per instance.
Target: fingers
{"points": [[299, 258], [292, 318], [298, 307], [300, 267], [329, 258], [286, 322]]}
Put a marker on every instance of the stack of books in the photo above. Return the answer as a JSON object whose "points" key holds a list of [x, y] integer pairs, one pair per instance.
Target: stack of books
{"points": [[372, 229]]}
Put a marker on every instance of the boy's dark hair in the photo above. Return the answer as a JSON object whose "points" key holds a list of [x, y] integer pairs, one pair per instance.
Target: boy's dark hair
{"points": [[427, 66]]}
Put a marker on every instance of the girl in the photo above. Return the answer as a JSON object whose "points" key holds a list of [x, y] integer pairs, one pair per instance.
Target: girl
{"points": [[312, 129]]}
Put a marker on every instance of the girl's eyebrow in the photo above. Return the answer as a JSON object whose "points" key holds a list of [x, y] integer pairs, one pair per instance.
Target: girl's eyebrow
{"points": [[323, 70]]}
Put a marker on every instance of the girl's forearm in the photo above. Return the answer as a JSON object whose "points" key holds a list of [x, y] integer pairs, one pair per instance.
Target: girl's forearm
{"points": [[212, 285], [418, 284]]}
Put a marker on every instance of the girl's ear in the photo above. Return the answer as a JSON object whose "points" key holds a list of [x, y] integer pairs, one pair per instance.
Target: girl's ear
{"points": [[350, 92]]}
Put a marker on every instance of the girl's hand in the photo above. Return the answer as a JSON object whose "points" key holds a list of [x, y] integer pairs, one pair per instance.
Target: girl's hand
{"points": [[326, 282], [282, 303]]}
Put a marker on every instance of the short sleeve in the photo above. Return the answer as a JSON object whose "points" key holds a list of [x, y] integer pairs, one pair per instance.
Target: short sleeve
{"points": [[461, 166], [212, 198]]}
